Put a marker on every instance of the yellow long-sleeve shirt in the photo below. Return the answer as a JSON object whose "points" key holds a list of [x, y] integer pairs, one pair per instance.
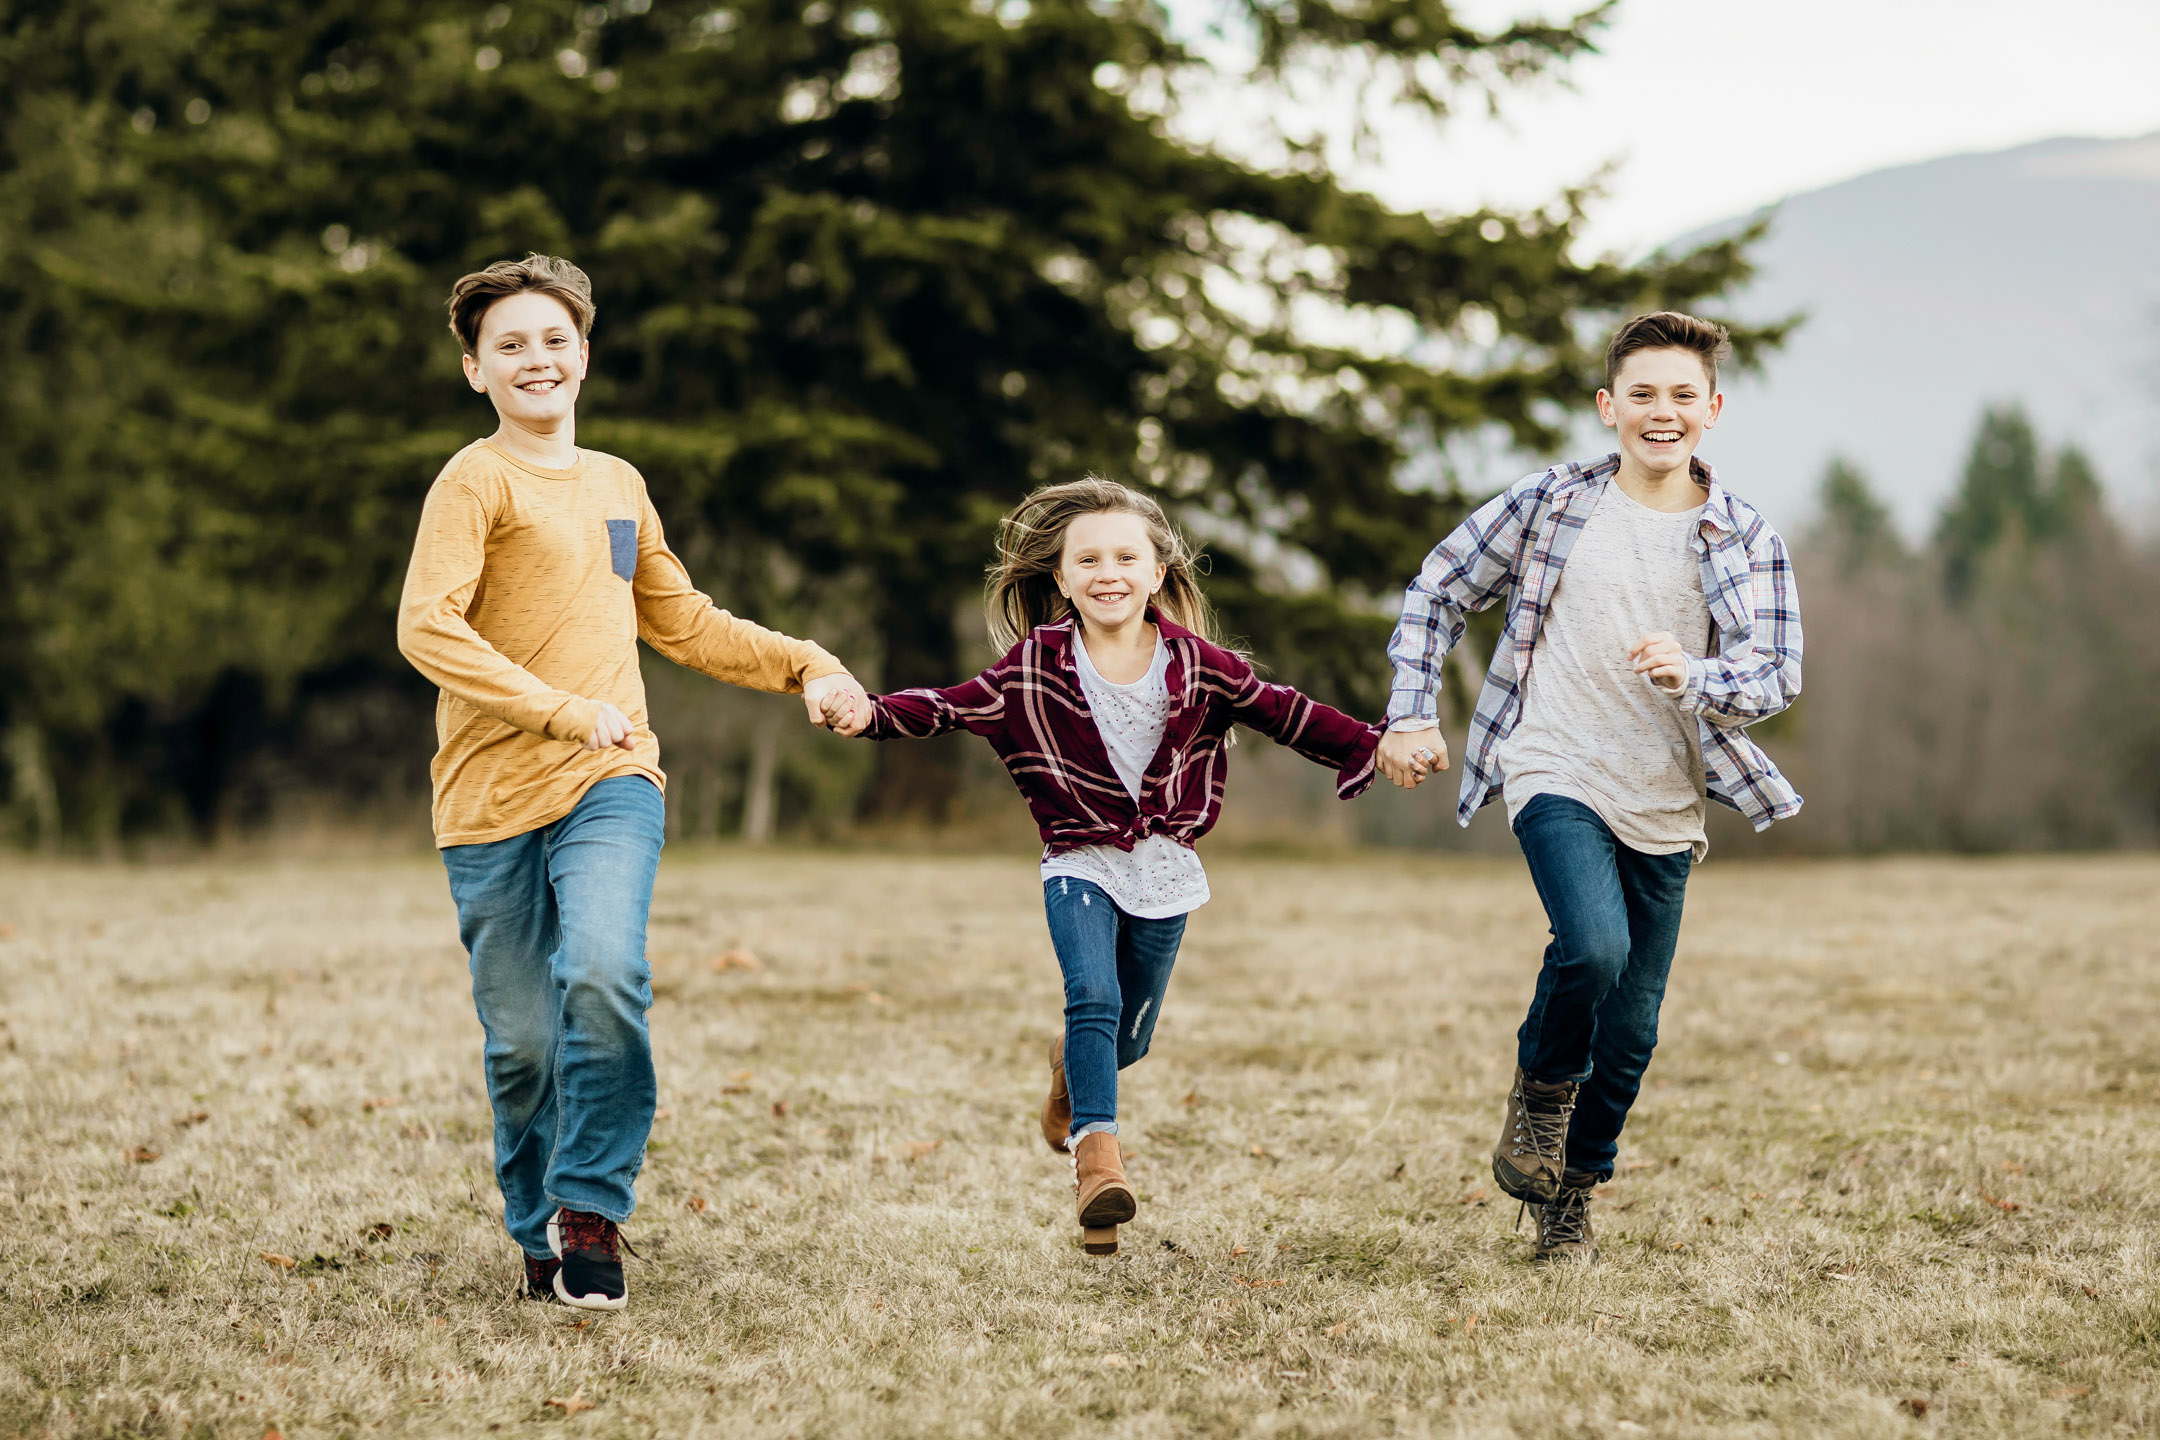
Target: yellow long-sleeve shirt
{"points": [[528, 592]]}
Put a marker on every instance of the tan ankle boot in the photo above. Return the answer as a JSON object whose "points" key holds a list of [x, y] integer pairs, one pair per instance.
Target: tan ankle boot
{"points": [[1102, 1197], [1533, 1139], [1057, 1110]]}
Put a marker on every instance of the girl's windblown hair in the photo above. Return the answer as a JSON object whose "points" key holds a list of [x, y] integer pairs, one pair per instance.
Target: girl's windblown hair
{"points": [[1022, 590]]}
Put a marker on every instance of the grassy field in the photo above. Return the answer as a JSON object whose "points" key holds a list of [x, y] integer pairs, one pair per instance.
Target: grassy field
{"points": [[1894, 1173]]}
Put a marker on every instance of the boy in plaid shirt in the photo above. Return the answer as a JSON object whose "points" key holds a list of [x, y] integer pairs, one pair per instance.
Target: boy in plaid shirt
{"points": [[1652, 616]]}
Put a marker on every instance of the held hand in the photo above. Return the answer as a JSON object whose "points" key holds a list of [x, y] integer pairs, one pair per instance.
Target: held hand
{"points": [[611, 728], [1660, 657], [1409, 757], [837, 703]]}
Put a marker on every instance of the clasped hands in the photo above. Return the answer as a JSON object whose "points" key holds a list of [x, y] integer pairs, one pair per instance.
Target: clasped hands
{"points": [[1411, 757], [836, 702]]}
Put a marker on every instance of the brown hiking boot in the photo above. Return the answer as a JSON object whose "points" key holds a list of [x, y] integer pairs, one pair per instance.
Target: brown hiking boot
{"points": [[1057, 1110], [1102, 1197], [1533, 1139], [1563, 1228]]}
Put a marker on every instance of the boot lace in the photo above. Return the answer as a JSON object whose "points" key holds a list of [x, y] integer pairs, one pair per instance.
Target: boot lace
{"points": [[1566, 1221], [1540, 1125]]}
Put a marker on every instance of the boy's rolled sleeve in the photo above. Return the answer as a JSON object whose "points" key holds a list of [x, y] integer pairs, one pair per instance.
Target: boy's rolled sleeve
{"points": [[1466, 572], [1738, 692]]}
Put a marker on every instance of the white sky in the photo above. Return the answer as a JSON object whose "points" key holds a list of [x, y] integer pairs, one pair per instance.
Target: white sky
{"points": [[1711, 108]]}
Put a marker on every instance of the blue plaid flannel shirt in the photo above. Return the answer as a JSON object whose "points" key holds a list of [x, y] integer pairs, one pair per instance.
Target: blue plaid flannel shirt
{"points": [[1515, 545]]}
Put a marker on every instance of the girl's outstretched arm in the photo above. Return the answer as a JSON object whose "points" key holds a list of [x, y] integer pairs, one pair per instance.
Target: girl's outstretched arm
{"points": [[1320, 733], [976, 706]]}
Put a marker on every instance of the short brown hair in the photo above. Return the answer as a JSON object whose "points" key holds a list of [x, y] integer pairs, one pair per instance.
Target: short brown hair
{"points": [[1668, 330], [474, 295]]}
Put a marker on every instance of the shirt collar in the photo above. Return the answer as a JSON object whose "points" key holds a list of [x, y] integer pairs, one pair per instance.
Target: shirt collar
{"points": [[1717, 500]]}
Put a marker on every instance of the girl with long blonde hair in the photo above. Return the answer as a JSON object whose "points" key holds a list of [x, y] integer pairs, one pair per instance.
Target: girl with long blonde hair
{"points": [[1110, 709]]}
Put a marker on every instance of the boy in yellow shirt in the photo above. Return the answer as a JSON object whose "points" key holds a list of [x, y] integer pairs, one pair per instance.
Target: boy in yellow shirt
{"points": [[537, 569]]}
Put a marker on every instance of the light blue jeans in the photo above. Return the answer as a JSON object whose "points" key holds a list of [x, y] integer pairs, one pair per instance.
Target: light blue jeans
{"points": [[554, 920]]}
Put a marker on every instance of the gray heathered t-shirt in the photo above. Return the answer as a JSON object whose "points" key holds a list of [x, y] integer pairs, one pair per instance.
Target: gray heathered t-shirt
{"points": [[1591, 728]]}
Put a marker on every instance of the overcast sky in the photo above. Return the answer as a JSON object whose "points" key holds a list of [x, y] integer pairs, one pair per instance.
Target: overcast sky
{"points": [[1710, 108]]}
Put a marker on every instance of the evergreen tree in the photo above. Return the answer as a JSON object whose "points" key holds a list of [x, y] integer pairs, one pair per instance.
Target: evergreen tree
{"points": [[2010, 494], [1854, 523], [867, 272]]}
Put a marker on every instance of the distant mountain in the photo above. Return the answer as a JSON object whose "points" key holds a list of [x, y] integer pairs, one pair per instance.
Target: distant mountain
{"points": [[1933, 289]]}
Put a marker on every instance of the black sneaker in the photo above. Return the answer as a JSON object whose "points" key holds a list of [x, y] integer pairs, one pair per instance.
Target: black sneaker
{"points": [[590, 1252], [540, 1278]]}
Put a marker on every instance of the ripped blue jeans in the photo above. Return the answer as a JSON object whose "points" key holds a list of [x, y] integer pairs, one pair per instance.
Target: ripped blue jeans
{"points": [[1116, 968]]}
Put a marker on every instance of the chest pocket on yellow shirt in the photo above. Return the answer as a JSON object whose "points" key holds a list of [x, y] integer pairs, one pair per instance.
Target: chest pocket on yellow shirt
{"points": [[622, 548]]}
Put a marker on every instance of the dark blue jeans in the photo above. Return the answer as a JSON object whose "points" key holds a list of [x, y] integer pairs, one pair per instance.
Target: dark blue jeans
{"points": [[554, 920], [1615, 916], [1116, 969]]}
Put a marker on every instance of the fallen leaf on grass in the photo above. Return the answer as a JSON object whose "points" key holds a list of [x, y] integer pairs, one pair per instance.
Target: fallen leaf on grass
{"points": [[2072, 1392], [379, 1102], [697, 1203], [143, 1154], [1338, 1328], [380, 1230], [779, 1109], [918, 1149], [283, 1262], [2011, 1167], [1258, 1284], [1470, 1199], [273, 1433], [1263, 1153], [1917, 1406], [1115, 1362], [571, 1404], [2090, 1292], [736, 959], [665, 1112], [734, 1089], [1192, 1098], [1237, 1250], [196, 1117], [2006, 1206], [1677, 1245]]}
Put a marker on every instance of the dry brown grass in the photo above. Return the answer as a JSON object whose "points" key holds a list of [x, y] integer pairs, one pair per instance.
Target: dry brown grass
{"points": [[1893, 1176]]}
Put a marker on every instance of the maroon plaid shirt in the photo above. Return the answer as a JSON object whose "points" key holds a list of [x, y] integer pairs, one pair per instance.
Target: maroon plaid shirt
{"points": [[1030, 707]]}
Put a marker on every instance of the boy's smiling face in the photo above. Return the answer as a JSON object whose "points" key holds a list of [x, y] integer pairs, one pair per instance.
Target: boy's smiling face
{"points": [[1661, 403], [530, 360]]}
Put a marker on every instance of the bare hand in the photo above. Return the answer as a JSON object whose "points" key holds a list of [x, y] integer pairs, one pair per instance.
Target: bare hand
{"points": [[612, 728], [837, 703], [1660, 657], [1409, 757]]}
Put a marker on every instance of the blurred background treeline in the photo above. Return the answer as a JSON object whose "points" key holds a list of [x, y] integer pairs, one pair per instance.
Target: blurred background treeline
{"points": [[867, 272]]}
